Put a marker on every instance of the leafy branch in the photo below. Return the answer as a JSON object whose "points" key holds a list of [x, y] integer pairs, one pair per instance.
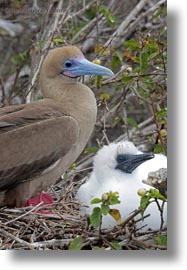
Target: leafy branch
{"points": [[106, 200], [152, 196]]}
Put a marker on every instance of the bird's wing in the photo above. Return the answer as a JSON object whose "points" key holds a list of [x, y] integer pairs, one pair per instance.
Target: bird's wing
{"points": [[10, 109], [32, 138]]}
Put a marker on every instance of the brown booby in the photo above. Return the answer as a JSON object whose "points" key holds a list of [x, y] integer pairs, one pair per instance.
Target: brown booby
{"points": [[40, 140]]}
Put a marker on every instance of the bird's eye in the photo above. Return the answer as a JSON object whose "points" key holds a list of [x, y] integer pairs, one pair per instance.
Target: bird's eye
{"points": [[121, 158], [68, 64]]}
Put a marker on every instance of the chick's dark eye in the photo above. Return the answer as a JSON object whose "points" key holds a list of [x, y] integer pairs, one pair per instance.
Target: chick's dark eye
{"points": [[68, 64], [121, 158]]}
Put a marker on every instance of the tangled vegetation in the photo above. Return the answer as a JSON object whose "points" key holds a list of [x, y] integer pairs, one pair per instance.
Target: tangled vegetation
{"points": [[130, 38]]}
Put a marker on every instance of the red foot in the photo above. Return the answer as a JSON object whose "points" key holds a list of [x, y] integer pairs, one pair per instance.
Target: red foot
{"points": [[44, 197]]}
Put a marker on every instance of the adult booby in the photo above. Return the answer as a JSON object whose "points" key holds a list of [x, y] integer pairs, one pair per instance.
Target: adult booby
{"points": [[39, 141], [121, 167]]}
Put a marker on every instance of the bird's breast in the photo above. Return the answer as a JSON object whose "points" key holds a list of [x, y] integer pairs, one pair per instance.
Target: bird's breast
{"points": [[80, 105]]}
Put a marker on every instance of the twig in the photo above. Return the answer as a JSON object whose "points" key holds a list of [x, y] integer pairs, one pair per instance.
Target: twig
{"points": [[17, 239], [125, 222], [87, 27], [158, 127], [25, 214], [148, 245], [114, 79], [123, 30], [51, 243], [79, 12], [114, 40], [3, 90]]}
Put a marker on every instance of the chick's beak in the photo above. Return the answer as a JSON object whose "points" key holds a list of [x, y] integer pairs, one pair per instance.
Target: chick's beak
{"points": [[128, 163]]}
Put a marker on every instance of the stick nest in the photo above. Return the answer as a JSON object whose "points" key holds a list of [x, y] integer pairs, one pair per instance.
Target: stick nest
{"points": [[31, 228]]}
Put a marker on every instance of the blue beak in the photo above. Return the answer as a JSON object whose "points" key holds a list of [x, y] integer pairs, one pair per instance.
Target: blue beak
{"points": [[82, 66]]}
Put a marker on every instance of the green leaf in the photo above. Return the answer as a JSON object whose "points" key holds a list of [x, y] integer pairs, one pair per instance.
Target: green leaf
{"points": [[147, 79], [163, 121], [132, 122], [118, 55], [151, 46], [91, 12], [19, 58], [99, 80], [162, 31], [118, 87], [65, 175], [109, 17], [95, 218], [91, 149], [162, 113], [135, 59], [144, 202], [145, 95], [117, 120], [160, 11], [114, 200], [98, 248], [161, 240], [156, 194], [116, 60], [132, 44], [105, 209], [74, 166], [158, 148], [149, 82], [58, 40], [116, 245], [104, 96], [95, 200], [76, 244], [143, 62], [126, 80]]}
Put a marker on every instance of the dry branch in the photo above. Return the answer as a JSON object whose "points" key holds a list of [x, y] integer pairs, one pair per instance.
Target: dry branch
{"points": [[130, 23]]}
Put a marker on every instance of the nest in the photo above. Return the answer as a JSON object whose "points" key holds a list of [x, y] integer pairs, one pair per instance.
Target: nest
{"points": [[52, 227]]}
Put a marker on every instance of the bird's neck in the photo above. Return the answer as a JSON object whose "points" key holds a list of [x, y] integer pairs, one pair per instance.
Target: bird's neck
{"points": [[75, 98]]}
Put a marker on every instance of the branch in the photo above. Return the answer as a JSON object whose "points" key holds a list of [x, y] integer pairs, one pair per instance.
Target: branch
{"points": [[115, 38], [123, 30]]}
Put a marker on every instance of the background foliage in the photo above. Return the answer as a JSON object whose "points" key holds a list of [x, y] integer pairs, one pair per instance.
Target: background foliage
{"points": [[127, 36]]}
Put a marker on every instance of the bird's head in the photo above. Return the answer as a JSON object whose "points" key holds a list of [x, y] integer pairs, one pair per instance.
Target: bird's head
{"points": [[69, 61], [123, 156]]}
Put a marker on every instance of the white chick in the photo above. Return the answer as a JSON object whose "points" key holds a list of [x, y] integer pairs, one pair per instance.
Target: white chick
{"points": [[121, 167]]}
